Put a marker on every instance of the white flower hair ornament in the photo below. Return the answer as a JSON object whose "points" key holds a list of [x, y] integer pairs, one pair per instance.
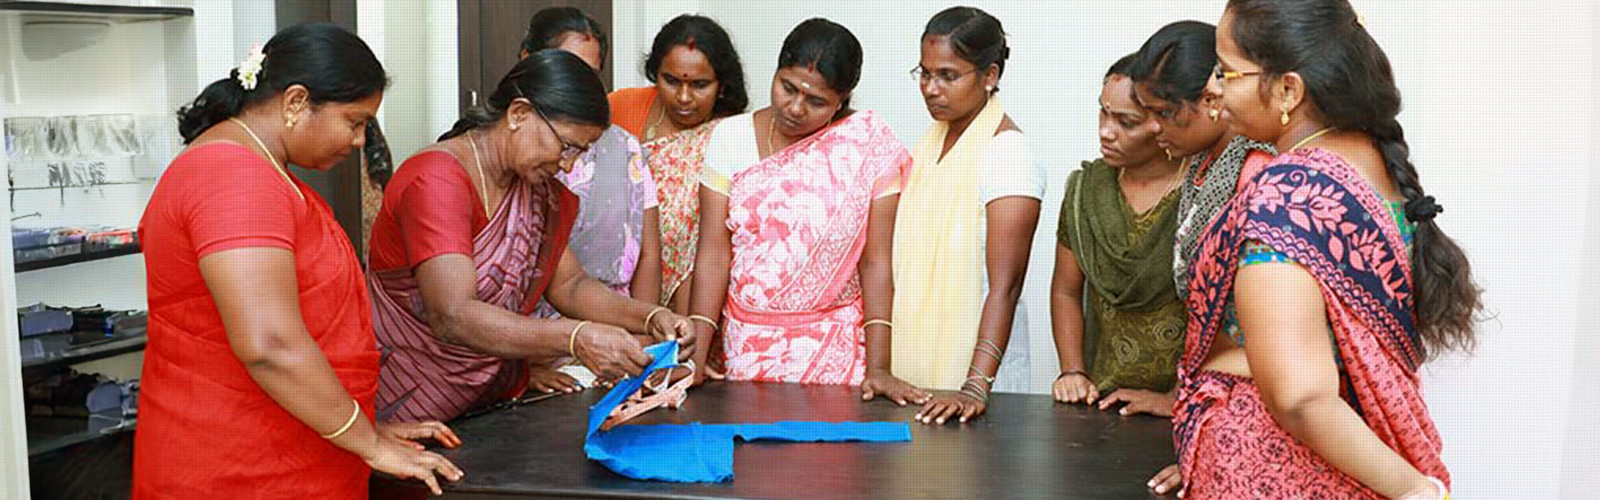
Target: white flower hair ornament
{"points": [[250, 67]]}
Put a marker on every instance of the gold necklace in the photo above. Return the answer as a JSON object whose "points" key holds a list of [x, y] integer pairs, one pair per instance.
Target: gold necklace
{"points": [[772, 124], [1177, 179], [661, 114], [275, 165], [1313, 135], [483, 181]]}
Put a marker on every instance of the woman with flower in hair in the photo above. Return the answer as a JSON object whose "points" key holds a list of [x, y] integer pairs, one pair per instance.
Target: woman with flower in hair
{"points": [[260, 376]]}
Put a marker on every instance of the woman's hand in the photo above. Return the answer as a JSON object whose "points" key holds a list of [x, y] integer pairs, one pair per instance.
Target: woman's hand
{"points": [[609, 352], [412, 432], [549, 381], [945, 406], [1170, 478], [1426, 489], [667, 325], [1075, 388], [880, 382], [1155, 403], [401, 458]]}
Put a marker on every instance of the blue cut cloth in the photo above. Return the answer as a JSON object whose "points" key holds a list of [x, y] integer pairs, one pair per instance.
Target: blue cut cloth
{"points": [[698, 453]]}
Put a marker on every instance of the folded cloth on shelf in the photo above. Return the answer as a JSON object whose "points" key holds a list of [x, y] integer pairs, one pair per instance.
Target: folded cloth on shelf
{"points": [[697, 452]]}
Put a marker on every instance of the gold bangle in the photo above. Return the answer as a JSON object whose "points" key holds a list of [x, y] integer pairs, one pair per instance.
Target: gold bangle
{"points": [[651, 316], [708, 321], [572, 341], [883, 322], [347, 424]]}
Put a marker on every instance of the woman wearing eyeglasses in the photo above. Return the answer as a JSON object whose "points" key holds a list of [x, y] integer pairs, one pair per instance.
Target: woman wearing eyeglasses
{"points": [[472, 234], [957, 304], [1171, 73], [1326, 286]]}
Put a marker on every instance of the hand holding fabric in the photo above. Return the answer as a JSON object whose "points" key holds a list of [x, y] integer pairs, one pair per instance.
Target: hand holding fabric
{"points": [[608, 351]]}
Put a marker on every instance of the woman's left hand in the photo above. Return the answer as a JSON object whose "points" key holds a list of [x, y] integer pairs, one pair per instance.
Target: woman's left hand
{"points": [[884, 383], [549, 380], [412, 432], [1155, 403], [667, 325], [945, 406]]}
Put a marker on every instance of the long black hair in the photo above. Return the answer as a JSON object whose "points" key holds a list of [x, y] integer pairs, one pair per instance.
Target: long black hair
{"points": [[334, 65], [1176, 63], [557, 82], [830, 48], [1123, 66], [548, 27], [705, 35], [1349, 79], [975, 36]]}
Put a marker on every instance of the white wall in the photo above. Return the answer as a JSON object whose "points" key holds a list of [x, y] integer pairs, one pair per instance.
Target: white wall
{"points": [[1501, 116], [419, 48]]}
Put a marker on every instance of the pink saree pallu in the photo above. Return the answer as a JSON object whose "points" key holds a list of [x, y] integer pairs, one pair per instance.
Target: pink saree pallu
{"points": [[425, 378], [799, 224], [1312, 206]]}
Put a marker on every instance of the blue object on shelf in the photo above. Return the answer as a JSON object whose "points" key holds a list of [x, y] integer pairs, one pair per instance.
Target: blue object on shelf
{"points": [[37, 320]]}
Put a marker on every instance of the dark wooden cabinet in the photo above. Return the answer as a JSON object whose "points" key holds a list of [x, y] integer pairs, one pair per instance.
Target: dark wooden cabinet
{"points": [[341, 185], [491, 34]]}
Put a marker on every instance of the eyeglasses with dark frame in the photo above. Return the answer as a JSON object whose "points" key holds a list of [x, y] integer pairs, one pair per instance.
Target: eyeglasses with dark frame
{"points": [[568, 150], [944, 77]]}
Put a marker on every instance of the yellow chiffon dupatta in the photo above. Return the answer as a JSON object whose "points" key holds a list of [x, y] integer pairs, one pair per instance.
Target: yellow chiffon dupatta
{"points": [[938, 256]]}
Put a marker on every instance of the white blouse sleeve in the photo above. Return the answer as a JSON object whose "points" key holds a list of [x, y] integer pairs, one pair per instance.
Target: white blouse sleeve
{"points": [[1009, 169]]}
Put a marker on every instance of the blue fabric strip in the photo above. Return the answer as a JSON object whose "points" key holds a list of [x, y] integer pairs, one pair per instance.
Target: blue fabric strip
{"points": [[696, 452]]}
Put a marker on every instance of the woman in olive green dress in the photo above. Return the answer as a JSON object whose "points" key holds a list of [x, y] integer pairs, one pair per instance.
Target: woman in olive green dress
{"points": [[1117, 228]]}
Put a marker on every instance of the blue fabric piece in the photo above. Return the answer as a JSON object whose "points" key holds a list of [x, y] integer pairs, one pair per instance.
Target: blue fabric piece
{"points": [[697, 452]]}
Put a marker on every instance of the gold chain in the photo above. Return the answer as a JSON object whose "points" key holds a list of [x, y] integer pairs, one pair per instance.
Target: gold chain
{"points": [[1176, 180], [1308, 138], [661, 114], [275, 165], [483, 181], [772, 123]]}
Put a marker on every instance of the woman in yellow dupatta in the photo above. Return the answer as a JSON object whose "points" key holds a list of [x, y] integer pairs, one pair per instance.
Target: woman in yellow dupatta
{"points": [[956, 297]]}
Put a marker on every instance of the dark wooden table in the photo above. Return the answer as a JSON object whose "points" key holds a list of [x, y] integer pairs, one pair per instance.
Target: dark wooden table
{"points": [[1026, 446]]}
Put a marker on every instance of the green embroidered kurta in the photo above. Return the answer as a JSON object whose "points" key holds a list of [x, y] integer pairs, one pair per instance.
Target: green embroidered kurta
{"points": [[1133, 319]]}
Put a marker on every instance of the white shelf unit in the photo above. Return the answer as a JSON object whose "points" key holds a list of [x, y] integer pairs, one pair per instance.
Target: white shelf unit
{"points": [[62, 59]]}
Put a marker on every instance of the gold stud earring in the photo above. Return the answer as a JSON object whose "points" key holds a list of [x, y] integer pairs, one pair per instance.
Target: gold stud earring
{"points": [[289, 123], [1216, 115]]}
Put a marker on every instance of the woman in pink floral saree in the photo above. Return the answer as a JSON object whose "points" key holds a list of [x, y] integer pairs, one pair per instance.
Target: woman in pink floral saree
{"points": [[797, 207]]}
